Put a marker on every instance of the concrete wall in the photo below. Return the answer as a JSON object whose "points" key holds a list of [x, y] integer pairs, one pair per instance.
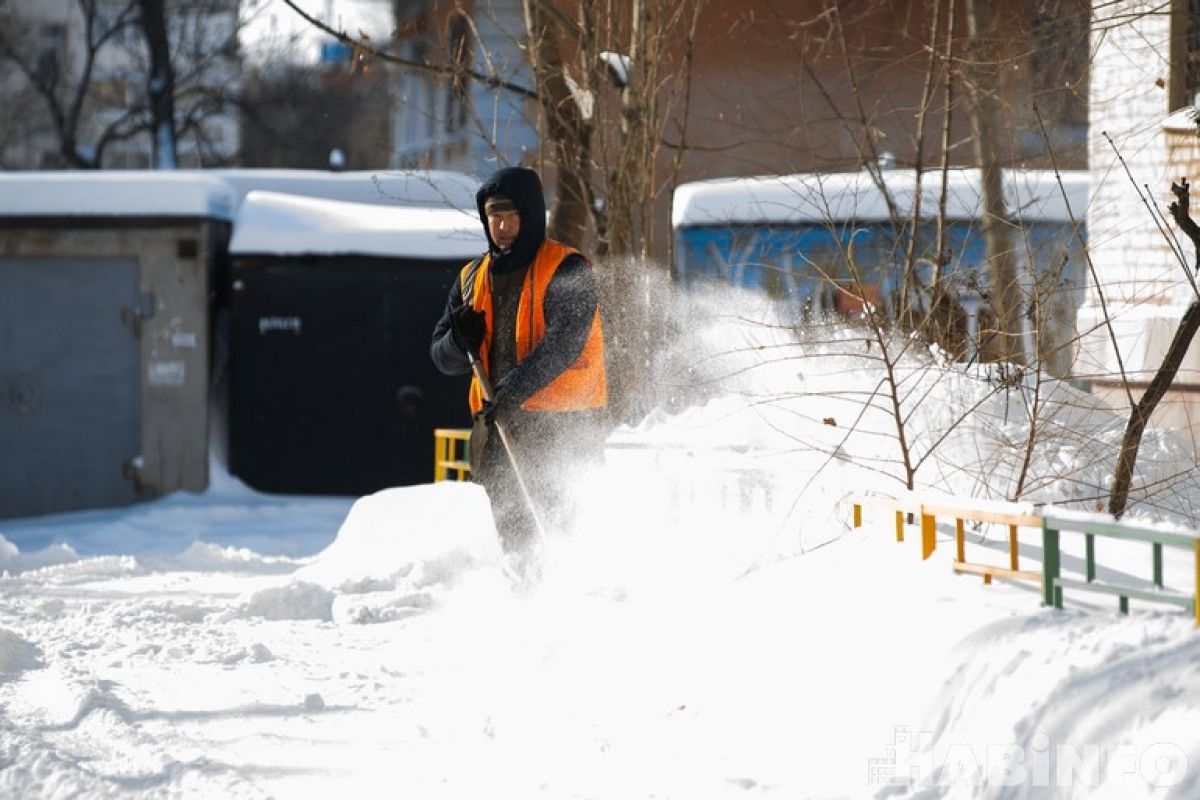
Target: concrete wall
{"points": [[175, 259]]}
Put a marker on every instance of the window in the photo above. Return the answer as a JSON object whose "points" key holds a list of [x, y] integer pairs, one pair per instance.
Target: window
{"points": [[1059, 62], [50, 46], [1185, 53]]}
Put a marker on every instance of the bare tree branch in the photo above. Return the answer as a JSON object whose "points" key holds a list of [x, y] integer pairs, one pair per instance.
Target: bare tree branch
{"points": [[492, 81], [1139, 416]]}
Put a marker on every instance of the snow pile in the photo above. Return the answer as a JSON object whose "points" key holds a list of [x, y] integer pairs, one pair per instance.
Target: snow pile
{"points": [[295, 600], [17, 654], [205, 557], [413, 536], [1115, 719], [399, 548], [12, 560], [277, 224], [227, 515]]}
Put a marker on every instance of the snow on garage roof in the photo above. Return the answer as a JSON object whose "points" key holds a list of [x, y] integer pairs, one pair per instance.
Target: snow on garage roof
{"points": [[377, 187], [270, 223], [112, 193], [815, 197]]}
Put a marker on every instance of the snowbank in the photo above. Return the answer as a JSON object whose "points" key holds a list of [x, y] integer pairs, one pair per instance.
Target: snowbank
{"points": [[397, 551], [713, 629], [17, 654], [413, 537]]}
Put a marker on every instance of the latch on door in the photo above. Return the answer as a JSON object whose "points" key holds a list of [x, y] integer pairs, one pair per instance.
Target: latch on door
{"points": [[141, 311]]}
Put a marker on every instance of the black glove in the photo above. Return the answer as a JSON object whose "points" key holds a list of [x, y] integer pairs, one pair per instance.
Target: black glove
{"points": [[469, 326], [499, 407]]}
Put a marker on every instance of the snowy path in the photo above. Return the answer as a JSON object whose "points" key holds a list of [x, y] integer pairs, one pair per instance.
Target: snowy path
{"points": [[712, 630], [249, 681]]}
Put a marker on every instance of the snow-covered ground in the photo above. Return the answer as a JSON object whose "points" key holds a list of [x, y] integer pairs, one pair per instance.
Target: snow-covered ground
{"points": [[711, 628]]}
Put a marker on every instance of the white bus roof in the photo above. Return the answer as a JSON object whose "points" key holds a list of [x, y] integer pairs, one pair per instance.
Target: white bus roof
{"points": [[270, 223], [430, 188], [111, 193], [834, 197]]}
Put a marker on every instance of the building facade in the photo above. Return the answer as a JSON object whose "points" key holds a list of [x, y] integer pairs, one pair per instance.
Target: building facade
{"points": [[446, 121], [77, 71], [1142, 137], [805, 86]]}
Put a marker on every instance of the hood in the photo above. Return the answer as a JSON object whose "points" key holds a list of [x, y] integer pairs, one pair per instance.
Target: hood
{"points": [[524, 188]]}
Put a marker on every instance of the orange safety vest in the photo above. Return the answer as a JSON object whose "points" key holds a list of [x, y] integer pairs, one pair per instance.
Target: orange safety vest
{"points": [[582, 385]]}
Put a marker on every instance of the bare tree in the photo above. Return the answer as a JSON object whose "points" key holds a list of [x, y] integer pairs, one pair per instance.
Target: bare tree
{"points": [[565, 121], [160, 84], [1139, 415], [61, 75], [112, 71], [1005, 343], [294, 116]]}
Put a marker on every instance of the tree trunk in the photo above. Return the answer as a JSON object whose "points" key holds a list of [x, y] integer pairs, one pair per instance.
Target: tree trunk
{"points": [[160, 85], [567, 134], [1139, 416], [1005, 343]]}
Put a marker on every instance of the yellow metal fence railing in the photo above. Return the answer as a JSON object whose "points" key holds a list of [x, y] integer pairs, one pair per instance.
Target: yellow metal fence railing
{"points": [[451, 454], [1051, 522], [929, 508]]}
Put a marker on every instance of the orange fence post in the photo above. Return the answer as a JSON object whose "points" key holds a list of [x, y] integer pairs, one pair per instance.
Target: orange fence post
{"points": [[1012, 548], [928, 534]]}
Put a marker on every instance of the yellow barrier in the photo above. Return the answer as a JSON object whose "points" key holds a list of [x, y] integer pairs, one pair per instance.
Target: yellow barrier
{"points": [[450, 453], [1052, 522], [907, 503], [1013, 515]]}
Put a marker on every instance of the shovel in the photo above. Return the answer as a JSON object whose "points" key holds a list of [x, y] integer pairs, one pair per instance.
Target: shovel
{"points": [[507, 443]]}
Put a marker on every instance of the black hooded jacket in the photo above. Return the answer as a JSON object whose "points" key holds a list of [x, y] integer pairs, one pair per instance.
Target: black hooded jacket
{"points": [[524, 188], [570, 302]]}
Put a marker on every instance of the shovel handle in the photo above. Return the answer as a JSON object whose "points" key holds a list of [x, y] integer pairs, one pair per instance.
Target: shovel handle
{"points": [[509, 446], [481, 376]]}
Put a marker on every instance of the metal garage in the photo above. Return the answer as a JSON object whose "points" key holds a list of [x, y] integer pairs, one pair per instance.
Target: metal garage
{"points": [[104, 335], [332, 306]]}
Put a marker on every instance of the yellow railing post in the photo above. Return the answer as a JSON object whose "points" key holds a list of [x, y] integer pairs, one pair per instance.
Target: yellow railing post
{"points": [[1012, 548], [446, 442], [899, 526], [928, 534], [960, 553], [857, 515]]}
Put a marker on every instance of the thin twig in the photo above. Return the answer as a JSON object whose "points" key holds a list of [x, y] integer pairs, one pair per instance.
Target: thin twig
{"points": [[1112, 334], [493, 81]]}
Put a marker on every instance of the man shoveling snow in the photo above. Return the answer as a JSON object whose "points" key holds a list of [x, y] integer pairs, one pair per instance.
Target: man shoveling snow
{"points": [[527, 313]]}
